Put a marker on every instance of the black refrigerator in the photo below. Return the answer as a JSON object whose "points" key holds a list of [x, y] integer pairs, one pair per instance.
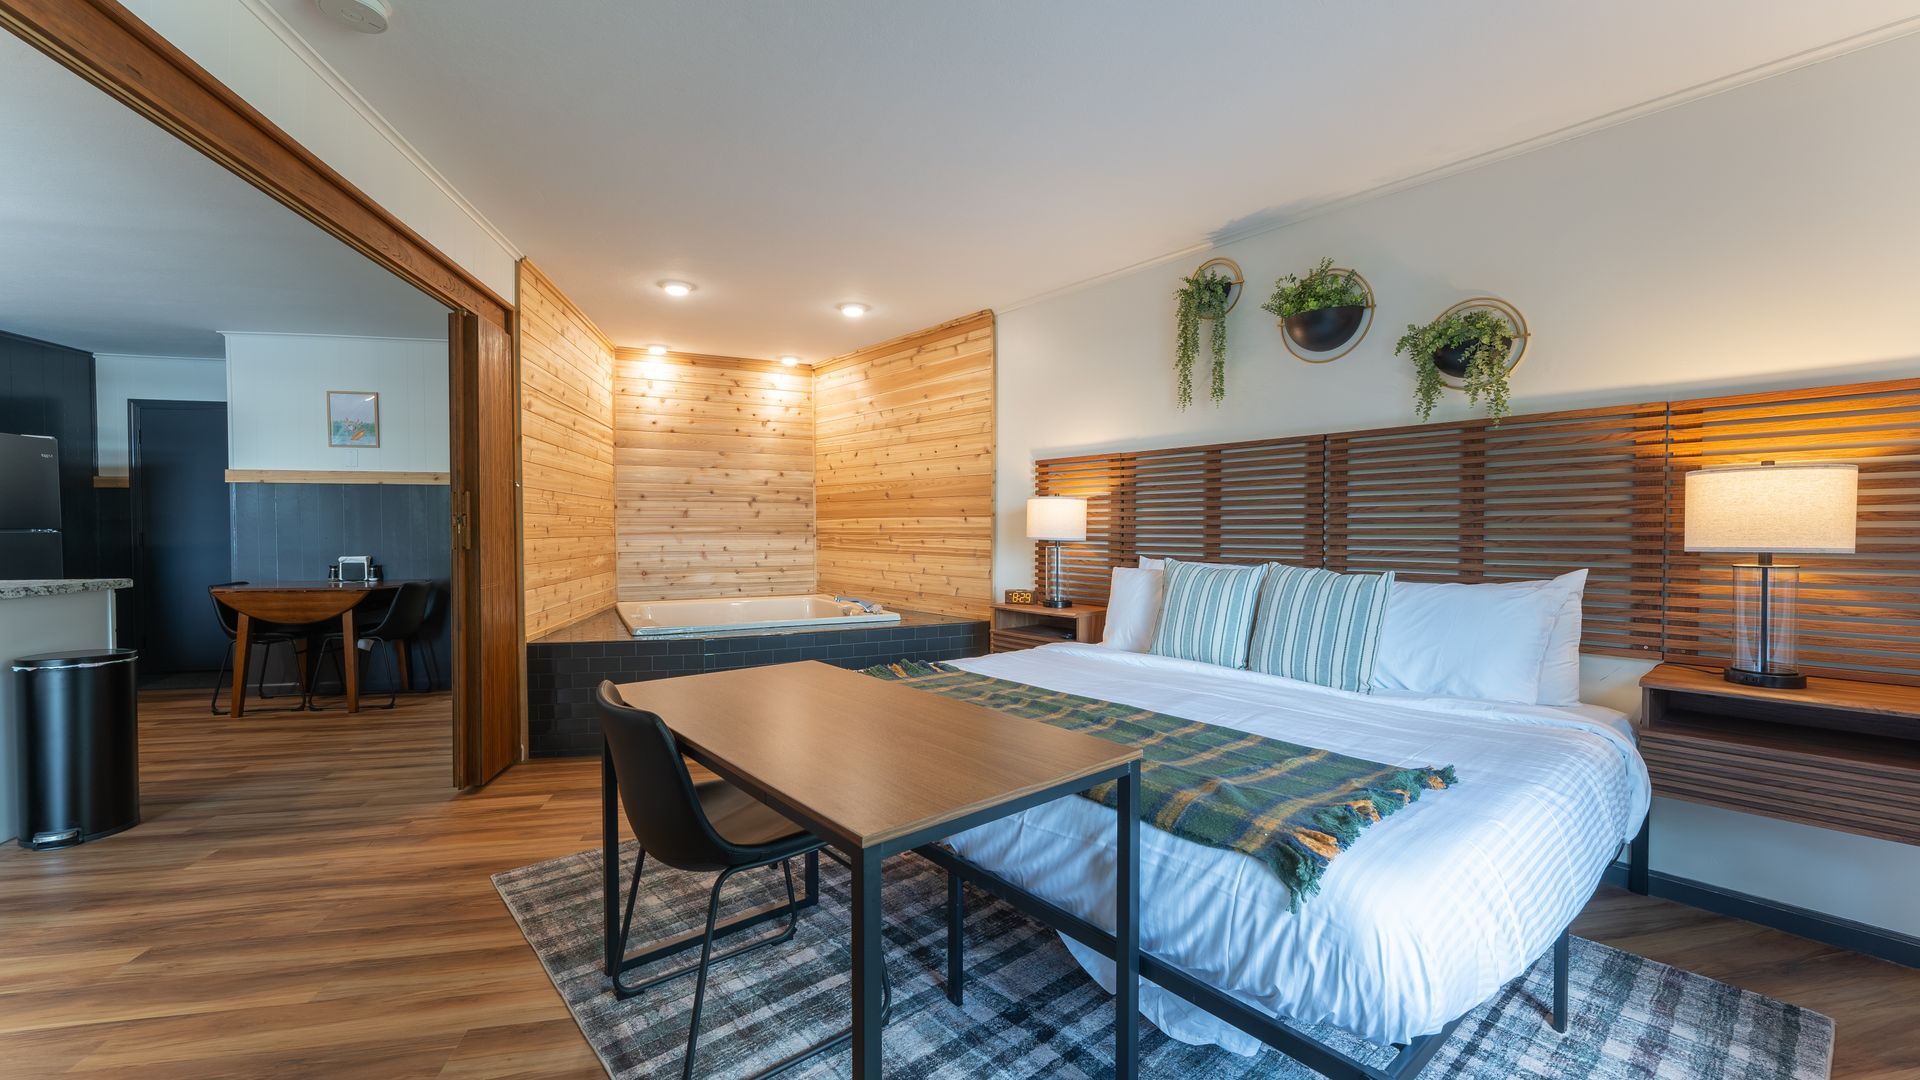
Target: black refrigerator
{"points": [[29, 507]]}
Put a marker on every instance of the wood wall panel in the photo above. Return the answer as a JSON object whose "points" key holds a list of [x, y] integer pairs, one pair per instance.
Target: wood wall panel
{"points": [[1537, 496], [904, 449], [1858, 611], [714, 472], [566, 457]]}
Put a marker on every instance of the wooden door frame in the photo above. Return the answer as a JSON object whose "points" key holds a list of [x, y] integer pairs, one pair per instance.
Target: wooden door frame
{"points": [[105, 44]]}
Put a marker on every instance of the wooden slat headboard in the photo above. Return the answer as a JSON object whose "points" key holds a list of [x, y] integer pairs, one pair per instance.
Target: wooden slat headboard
{"points": [[1533, 497]]}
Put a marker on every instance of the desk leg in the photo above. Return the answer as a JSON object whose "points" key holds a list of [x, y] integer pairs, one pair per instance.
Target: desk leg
{"points": [[610, 858], [350, 660], [1638, 855], [1126, 930], [868, 955], [242, 629]]}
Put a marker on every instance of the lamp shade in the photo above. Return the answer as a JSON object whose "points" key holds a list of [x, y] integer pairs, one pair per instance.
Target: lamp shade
{"points": [[1056, 517], [1809, 508]]}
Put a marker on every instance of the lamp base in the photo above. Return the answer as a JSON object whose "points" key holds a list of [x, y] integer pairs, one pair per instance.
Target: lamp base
{"points": [[1052, 603], [1772, 680]]}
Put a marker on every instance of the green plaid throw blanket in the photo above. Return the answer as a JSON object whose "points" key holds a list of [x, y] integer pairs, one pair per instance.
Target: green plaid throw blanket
{"points": [[1292, 807]]}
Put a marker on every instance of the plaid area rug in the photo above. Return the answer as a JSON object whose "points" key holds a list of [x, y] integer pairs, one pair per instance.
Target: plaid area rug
{"points": [[1032, 1012]]}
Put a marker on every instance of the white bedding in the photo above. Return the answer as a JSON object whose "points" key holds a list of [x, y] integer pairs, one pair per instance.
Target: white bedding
{"points": [[1421, 920]]}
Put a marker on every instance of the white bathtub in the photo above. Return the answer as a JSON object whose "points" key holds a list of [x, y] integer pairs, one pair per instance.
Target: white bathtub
{"points": [[692, 618]]}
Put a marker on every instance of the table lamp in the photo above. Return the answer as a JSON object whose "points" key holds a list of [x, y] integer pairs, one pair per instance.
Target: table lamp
{"points": [[1767, 508], [1056, 518]]}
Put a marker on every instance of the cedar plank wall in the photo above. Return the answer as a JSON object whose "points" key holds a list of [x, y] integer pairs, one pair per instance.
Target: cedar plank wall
{"points": [[566, 457], [714, 467], [903, 437]]}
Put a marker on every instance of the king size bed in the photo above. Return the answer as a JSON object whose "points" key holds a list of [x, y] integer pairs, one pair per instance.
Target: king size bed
{"points": [[1421, 919]]}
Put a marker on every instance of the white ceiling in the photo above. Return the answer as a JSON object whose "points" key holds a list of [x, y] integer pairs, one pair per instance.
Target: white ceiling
{"points": [[116, 237], [935, 157]]}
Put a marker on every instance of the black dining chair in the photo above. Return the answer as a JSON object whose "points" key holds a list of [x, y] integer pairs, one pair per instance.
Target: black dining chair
{"points": [[396, 627], [264, 634], [698, 827]]}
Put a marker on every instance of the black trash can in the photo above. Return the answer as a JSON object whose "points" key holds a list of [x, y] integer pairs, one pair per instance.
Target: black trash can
{"points": [[79, 756]]}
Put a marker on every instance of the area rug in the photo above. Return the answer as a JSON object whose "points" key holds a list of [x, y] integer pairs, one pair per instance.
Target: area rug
{"points": [[1032, 1012]]}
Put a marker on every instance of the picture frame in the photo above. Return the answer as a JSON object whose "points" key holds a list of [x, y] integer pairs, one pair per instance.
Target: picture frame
{"points": [[353, 419]]}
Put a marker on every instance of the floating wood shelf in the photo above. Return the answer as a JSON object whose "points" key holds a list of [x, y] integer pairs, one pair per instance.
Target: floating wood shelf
{"points": [[1029, 626], [1838, 755]]}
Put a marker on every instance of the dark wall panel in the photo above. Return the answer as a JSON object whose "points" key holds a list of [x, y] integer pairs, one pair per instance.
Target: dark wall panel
{"points": [[47, 389], [292, 532]]}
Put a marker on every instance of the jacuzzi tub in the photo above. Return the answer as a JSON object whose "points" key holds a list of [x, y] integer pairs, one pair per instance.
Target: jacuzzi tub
{"points": [[691, 618]]}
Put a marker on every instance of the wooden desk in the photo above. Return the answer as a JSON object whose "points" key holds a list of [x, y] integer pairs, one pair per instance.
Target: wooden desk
{"points": [[297, 602], [875, 769]]}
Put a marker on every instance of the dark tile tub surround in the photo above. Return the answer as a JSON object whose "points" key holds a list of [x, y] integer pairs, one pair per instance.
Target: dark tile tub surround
{"points": [[564, 667], [291, 532]]}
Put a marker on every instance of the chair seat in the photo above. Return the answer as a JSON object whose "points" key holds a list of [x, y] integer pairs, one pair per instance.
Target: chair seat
{"points": [[749, 824]]}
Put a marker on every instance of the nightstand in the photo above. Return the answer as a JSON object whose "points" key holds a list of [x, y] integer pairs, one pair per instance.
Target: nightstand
{"points": [[1838, 755], [1027, 626]]}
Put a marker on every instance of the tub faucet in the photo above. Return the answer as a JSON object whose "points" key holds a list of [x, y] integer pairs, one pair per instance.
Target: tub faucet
{"points": [[864, 606]]}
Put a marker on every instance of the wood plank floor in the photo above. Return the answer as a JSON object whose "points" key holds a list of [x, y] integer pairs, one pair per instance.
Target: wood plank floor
{"points": [[307, 897]]}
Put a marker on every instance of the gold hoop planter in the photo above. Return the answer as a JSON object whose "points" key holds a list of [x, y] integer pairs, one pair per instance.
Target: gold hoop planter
{"points": [[1450, 367], [1298, 331], [1239, 281]]}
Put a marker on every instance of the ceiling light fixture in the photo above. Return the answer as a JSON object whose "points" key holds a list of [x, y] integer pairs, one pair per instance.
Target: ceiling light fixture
{"points": [[853, 310], [676, 288], [365, 16], [790, 361], [656, 350]]}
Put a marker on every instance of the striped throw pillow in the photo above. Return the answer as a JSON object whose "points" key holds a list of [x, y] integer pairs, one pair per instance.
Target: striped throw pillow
{"points": [[1207, 612], [1320, 627]]}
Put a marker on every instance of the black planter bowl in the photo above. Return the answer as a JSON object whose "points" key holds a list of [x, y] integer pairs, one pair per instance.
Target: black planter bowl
{"points": [[1451, 360], [1324, 329]]}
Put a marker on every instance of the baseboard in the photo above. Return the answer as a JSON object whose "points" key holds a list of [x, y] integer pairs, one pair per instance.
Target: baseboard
{"points": [[1872, 941]]}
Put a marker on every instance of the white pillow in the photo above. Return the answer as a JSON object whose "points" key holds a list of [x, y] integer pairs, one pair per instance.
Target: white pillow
{"points": [[1560, 668], [1133, 609], [1486, 642]]}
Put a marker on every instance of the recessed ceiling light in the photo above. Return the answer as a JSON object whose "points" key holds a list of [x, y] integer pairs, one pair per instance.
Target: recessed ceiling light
{"points": [[853, 310], [366, 16], [676, 288], [656, 350], [790, 361]]}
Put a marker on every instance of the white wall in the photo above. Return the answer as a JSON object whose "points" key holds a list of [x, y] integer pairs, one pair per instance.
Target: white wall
{"points": [[1765, 237], [118, 378], [247, 46], [277, 401]]}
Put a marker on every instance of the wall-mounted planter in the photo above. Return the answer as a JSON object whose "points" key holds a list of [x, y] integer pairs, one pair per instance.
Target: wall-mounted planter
{"points": [[1324, 315], [1472, 346], [1324, 329]]}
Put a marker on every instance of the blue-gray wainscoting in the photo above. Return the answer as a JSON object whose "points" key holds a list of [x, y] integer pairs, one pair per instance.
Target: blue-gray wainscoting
{"points": [[293, 532]]}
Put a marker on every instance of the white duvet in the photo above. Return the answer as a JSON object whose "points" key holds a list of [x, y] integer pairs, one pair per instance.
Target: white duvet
{"points": [[1428, 914]]}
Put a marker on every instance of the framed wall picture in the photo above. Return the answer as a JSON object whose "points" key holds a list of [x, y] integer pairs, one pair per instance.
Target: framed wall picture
{"points": [[353, 419]]}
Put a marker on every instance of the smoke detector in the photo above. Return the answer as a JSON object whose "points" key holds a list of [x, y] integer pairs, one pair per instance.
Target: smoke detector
{"points": [[365, 16]]}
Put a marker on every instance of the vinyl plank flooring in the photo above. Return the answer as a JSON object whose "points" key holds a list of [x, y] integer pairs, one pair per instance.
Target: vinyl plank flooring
{"points": [[308, 897]]}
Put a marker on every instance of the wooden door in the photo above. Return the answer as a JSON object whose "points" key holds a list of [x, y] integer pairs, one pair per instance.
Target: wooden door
{"points": [[488, 645], [178, 456]]}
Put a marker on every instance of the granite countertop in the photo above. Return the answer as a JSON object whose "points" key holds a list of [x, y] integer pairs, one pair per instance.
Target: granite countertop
{"points": [[13, 590]]}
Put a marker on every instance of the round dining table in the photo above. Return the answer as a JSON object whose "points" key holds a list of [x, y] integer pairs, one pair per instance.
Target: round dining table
{"points": [[298, 603]]}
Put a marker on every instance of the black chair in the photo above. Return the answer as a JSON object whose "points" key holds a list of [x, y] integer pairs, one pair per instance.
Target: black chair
{"points": [[398, 627], [710, 826], [264, 634]]}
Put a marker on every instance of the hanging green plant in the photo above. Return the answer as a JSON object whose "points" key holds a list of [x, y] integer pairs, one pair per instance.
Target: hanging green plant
{"points": [[1206, 296], [1320, 312], [1471, 345]]}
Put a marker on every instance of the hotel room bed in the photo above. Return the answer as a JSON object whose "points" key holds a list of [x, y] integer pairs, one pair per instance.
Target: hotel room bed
{"points": [[1425, 917]]}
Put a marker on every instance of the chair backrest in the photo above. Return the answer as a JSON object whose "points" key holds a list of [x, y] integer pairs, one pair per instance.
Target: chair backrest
{"points": [[405, 614], [229, 620], [661, 805]]}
